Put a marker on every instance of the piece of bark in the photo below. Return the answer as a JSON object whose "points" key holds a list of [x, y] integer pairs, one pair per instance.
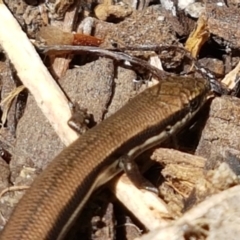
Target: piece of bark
{"points": [[181, 171], [198, 37]]}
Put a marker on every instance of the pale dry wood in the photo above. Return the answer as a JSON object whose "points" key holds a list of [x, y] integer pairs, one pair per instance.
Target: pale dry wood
{"points": [[196, 216], [231, 77], [34, 75], [204, 207], [147, 207], [156, 62]]}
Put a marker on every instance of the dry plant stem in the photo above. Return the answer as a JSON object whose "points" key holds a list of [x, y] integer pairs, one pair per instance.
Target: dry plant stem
{"points": [[13, 188], [61, 64], [120, 57], [176, 230], [6, 103], [34, 75], [147, 207]]}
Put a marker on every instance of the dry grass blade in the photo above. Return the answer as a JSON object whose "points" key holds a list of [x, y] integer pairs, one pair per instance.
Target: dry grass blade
{"points": [[6, 103]]}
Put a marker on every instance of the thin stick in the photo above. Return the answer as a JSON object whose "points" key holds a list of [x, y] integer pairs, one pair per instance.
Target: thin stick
{"points": [[34, 75]]}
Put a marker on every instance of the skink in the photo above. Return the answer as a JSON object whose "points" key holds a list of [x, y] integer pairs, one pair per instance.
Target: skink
{"points": [[57, 196]]}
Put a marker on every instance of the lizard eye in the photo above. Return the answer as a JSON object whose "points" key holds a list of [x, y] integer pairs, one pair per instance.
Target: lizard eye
{"points": [[194, 104]]}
